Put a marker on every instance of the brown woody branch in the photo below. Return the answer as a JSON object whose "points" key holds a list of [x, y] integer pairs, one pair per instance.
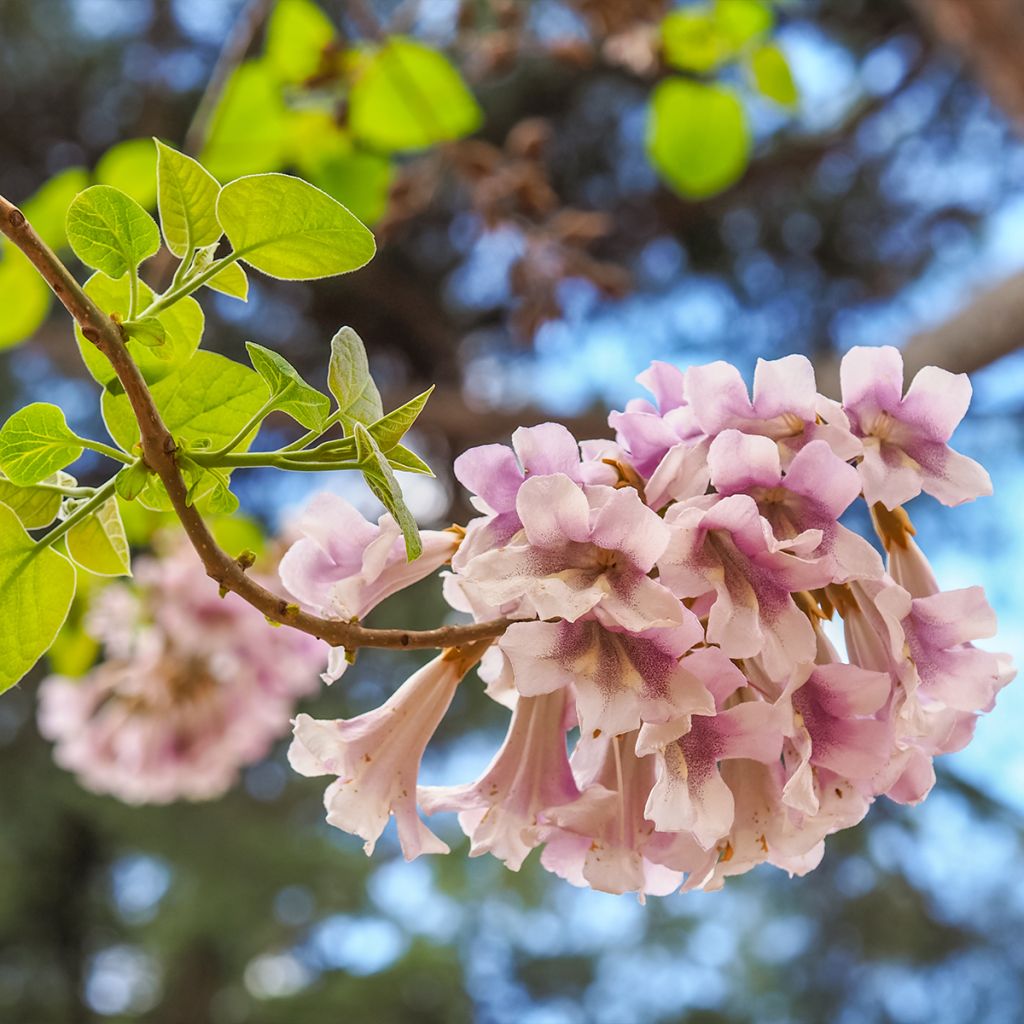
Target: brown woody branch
{"points": [[159, 453]]}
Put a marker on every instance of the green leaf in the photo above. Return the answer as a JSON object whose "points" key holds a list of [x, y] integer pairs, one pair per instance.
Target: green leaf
{"points": [[326, 154], [24, 297], [34, 506], [131, 481], [209, 397], [772, 75], [36, 589], [407, 461], [692, 40], [187, 200], [697, 136], [130, 167], [390, 429], [231, 281], [381, 480], [35, 442], [290, 229], [182, 323], [298, 32], [349, 380], [248, 131], [99, 544], [148, 331], [291, 394], [407, 96], [110, 231], [743, 21], [47, 208]]}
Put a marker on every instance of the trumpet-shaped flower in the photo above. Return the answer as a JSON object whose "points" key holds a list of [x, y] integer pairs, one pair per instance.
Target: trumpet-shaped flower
{"points": [[620, 678], [501, 812], [815, 491], [581, 549], [376, 756], [905, 437], [728, 549]]}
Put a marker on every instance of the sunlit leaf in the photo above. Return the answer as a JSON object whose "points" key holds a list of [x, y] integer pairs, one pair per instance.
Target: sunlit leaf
{"points": [[24, 297], [182, 323], [187, 200], [36, 589], [743, 21], [211, 397], [131, 167], [390, 429], [349, 380], [231, 281], [772, 75], [35, 506], [109, 231], [148, 331], [697, 136], [407, 96], [407, 461], [291, 394], [297, 34], [693, 41], [380, 478], [248, 131], [98, 543], [35, 442], [290, 229]]}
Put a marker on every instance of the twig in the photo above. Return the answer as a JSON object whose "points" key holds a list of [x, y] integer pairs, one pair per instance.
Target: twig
{"points": [[159, 448]]}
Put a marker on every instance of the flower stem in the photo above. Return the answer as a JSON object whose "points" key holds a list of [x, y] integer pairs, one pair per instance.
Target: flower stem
{"points": [[100, 497]]}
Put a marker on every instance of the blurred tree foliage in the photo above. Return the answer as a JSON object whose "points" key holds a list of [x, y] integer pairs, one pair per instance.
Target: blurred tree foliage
{"points": [[529, 190]]}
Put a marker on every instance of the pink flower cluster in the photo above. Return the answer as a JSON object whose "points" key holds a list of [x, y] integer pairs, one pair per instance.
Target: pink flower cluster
{"points": [[736, 673], [192, 688]]}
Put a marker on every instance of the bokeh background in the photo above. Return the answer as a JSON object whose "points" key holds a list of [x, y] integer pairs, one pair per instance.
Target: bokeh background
{"points": [[532, 277]]}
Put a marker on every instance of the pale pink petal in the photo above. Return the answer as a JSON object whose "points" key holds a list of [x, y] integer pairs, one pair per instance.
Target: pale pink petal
{"points": [[784, 386], [553, 510], [739, 462]]}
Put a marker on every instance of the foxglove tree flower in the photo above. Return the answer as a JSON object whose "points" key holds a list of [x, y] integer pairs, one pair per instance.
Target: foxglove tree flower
{"points": [[193, 688], [905, 437], [376, 756], [666, 593]]}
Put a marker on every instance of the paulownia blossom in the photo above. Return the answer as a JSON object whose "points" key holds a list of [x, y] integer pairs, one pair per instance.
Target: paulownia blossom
{"points": [[667, 596], [194, 687]]}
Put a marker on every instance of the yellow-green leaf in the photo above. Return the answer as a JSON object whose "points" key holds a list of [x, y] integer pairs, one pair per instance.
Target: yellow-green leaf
{"points": [[35, 442], [407, 96], [772, 75], [697, 136], [187, 200], [290, 229], [297, 34], [99, 544], [24, 297], [248, 132], [37, 586], [232, 280], [110, 231], [182, 323], [131, 167]]}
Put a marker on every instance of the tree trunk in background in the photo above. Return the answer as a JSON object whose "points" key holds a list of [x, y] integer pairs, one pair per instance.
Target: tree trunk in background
{"points": [[989, 34]]}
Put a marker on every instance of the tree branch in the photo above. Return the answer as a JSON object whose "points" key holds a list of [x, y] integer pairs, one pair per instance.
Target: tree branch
{"points": [[986, 329], [159, 451]]}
